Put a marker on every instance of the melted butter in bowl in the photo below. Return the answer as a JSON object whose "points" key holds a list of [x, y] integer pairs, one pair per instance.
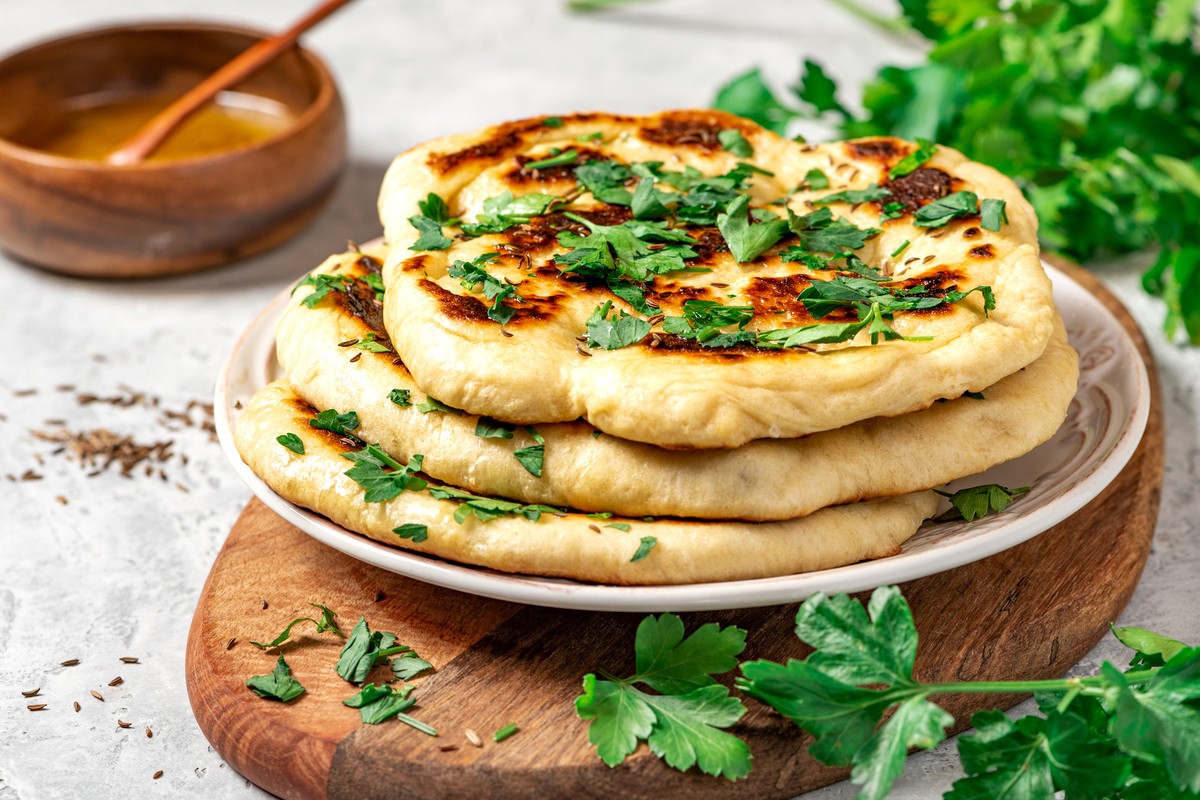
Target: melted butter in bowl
{"points": [[93, 126]]}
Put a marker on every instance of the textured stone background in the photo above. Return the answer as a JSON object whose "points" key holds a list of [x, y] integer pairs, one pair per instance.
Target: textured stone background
{"points": [[117, 570]]}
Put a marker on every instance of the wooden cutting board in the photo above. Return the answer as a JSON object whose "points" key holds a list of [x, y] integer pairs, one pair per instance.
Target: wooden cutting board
{"points": [[1030, 612]]}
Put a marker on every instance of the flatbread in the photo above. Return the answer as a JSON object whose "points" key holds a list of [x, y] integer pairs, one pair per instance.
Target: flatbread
{"points": [[571, 545], [668, 390], [762, 480]]}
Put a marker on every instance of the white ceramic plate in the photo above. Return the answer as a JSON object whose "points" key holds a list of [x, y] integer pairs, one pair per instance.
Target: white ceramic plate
{"points": [[1102, 430]]}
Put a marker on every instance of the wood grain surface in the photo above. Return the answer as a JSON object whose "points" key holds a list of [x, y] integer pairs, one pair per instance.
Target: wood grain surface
{"points": [[1029, 612]]}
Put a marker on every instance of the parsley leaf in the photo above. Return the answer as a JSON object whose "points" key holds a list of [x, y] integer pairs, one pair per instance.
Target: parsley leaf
{"points": [[381, 475], [892, 211], [486, 509], [364, 649], [504, 211], [488, 428], [703, 320], [556, 160], [408, 667], [369, 344], [379, 702], [815, 179], [644, 547], [325, 623], [910, 163], [937, 213], [471, 275], [279, 685], [410, 530], [433, 405], [434, 208], [747, 239], [620, 331], [292, 442], [682, 725], [821, 231], [322, 286], [993, 214], [341, 424], [854, 196], [733, 141], [533, 456], [431, 237], [400, 397], [978, 501], [606, 181]]}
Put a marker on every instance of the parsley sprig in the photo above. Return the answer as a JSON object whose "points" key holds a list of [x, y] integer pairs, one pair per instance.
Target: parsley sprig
{"points": [[683, 722], [1084, 104], [382, 476], [1105, 735]]}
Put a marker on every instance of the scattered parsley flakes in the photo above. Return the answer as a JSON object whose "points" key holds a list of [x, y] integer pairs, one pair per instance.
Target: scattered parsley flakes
{"points": [[594, 136], [620, 331], [557, 159], [370, 344], [612, 252], [433, 207], [621, 526], [378, 703], [891, 211], [974, 395], [903, 246], [401, 397], [976, 502], [733, 141], [292, 442], [552, 122], [382, 476], [647, 544], [937, 213], [325, 623], [854, 196], [433, 405], [417, 533], [993, 214], [279, 685], [683, 723], [912, 161], [471, 275], [748, 239]]}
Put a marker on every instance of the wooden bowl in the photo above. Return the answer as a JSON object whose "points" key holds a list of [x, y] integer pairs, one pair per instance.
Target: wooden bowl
{"points": [[162, 217]]}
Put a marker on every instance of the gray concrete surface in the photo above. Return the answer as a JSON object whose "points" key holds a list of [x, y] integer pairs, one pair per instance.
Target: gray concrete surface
{"points": [[116, 570]]}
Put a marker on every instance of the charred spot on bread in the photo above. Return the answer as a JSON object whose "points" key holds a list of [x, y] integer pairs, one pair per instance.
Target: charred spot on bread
{"points": [[919, 187]]}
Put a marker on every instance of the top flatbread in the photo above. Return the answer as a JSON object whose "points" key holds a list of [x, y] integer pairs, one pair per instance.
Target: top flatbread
{"points": [[769, 479], [668, 390]]}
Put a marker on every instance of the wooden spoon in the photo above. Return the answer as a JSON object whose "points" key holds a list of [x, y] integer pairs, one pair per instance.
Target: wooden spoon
{"points": [[139, 146]]}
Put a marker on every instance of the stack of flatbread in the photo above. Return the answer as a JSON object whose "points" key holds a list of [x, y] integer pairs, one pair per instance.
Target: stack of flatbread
{"points": [[666, 349]]}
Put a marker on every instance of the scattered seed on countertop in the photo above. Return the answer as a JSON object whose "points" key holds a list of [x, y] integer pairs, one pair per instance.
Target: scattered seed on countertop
{"points": [[117, 681], [122, 723], [77, 706], [446, 748], [37, 707], [129, 659], [149, 733], [71, 662], [97, 695], [229, 645], [265, 605], [157, 775], [473, 737], [31, 692]]}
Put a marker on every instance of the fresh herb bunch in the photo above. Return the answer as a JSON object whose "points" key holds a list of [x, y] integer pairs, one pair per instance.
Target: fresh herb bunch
{"points": [[1091, 106], [1131, 735]]}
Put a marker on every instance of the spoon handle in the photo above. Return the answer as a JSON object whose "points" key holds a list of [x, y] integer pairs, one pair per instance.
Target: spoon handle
{"points": [[137, 147]]}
